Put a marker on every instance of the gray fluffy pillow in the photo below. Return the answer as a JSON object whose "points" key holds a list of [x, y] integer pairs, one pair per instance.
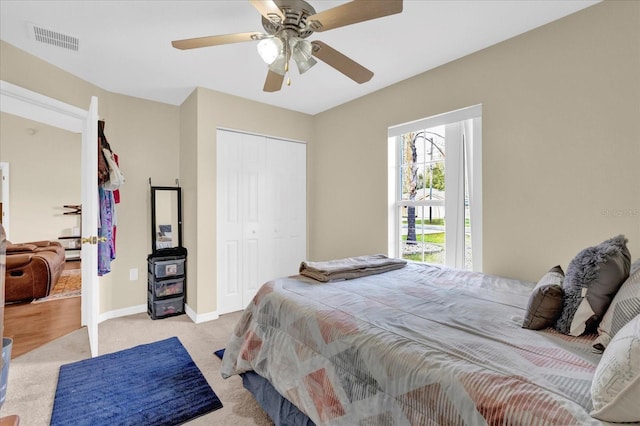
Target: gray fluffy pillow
{"points": [[592, 280]]}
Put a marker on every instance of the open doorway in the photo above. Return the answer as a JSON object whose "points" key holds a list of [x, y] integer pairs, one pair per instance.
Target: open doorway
{"points": [[45, 177], [34, 106]]}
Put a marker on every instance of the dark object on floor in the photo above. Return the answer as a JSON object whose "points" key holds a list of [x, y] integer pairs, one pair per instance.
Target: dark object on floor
{"points": [[156, 384], [281, 411]]}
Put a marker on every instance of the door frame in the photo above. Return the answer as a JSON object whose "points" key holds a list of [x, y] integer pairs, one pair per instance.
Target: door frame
{"points": [[4, 175], [34, 106]]}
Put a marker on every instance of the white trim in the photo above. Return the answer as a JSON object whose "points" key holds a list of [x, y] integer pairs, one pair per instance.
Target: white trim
{"points": [[454, 199], [131, 310], [421, 203], [393, 233], [200, 318], [138, 309], [475, 202], [4, 175], [35, 106], [462, 114], [262, 135]]}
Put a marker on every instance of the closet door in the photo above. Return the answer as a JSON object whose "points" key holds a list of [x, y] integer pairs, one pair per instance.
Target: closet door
{"points": [[229, 221], [261, 210], [240, 186], [254, 202], [287, 211]]}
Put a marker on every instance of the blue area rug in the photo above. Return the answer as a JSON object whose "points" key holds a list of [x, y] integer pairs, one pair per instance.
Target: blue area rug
{"points": [[154, 384], [219, 353]]}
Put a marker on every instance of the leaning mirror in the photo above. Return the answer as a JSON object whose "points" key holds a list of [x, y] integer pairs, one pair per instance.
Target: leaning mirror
{"points": [[166, 218]]}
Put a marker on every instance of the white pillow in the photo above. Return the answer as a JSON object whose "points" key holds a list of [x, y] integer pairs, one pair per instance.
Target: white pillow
{"points": [[624, 307], [615, 390]]}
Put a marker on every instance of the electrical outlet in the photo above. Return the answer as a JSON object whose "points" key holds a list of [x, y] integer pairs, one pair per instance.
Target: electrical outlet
{"points": [[133, 274]]}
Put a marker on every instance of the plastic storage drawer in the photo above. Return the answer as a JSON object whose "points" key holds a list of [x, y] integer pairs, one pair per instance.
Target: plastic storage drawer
{"points": [[165, 307], [166, 268], [166, 288]]}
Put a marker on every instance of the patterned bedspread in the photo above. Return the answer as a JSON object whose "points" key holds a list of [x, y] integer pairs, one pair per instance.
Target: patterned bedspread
{"points": [[423, 345]]}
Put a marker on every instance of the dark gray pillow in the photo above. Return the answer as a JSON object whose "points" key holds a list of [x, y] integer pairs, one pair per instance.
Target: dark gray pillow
{"points": [[593, 278], [545, 302]]}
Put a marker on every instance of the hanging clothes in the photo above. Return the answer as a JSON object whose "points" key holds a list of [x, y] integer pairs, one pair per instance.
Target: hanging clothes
{"points": [[109, 195], [106, 248], [103, 167]]}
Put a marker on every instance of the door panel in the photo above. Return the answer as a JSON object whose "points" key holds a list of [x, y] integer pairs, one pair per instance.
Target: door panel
{"points": [[90, 287], [229, 226], [268, 180]]}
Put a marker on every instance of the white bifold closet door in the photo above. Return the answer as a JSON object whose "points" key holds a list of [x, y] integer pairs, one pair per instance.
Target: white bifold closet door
{"points": [[261, 214]]}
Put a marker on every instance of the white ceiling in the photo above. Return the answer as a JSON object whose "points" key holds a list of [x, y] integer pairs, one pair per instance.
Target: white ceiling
{"points": [[125, 46]]}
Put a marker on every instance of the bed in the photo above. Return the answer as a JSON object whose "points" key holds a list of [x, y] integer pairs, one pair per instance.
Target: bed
{"points": [[419, 345]]}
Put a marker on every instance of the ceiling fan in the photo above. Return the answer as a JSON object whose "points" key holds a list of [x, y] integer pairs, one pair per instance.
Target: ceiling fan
{"points": [[288, 23]]}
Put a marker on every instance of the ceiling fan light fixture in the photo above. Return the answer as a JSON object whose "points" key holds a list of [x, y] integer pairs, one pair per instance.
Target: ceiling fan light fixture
{"points": [[279, 65], [270, 49], [302, 55]]}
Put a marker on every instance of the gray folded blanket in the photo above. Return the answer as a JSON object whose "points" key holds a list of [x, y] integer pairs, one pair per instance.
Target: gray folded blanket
{"points": [[350, 267]]}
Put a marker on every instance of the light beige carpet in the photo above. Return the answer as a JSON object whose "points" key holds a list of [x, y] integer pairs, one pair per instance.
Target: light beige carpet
{"points": [[33, 376]]}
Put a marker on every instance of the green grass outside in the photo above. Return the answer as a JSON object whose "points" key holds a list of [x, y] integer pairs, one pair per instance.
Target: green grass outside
{"points": [[436, 258], [429, 238]]}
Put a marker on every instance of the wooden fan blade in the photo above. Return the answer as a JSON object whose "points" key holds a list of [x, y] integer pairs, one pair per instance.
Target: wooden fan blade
{"points": [[353, 12], [193, 43], [269, 10], [273, 83], [342, 63]]}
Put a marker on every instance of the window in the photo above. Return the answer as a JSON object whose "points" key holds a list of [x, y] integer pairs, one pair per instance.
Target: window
{"points": [[435, 189]]}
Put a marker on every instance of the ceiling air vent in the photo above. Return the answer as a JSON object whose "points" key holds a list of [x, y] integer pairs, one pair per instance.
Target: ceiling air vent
{"points": [[54, 38]]}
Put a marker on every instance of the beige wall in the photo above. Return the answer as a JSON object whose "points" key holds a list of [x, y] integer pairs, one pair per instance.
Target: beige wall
{"points": [[218, 110], [44, 162], [146, 137], [561, 144]]}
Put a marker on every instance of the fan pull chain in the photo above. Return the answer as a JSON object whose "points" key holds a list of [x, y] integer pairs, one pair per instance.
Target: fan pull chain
{"points": [[286, 72]]}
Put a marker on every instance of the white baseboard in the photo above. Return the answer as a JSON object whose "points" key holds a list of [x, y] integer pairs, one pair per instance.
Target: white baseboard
{"points": [[200, 318], [132, 310]]}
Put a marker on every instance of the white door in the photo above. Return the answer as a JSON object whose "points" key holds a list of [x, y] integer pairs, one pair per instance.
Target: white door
{"points": [[287, 207], [241, 199], [261, 204], [89, 253]]}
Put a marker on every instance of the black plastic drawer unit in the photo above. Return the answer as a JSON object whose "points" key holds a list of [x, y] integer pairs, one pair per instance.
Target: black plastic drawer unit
{"points": [[165, 307], [165, 268], [166, 286]]}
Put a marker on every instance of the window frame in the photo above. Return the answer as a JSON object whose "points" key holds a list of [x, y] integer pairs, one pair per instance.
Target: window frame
{"points": [[470, 121]]}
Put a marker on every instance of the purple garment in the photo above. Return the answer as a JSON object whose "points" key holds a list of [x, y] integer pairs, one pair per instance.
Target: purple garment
{"points": [[106, 249]]}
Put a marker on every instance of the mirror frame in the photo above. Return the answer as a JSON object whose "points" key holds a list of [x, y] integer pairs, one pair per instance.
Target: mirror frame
{"points": [[178, 191]]}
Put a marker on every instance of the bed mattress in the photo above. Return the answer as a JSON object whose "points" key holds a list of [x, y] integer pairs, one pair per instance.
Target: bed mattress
{"points": [[420, 345]]}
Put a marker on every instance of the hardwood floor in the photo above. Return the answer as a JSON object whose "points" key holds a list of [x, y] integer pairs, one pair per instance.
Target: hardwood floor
{"points": [[31, 325]]}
